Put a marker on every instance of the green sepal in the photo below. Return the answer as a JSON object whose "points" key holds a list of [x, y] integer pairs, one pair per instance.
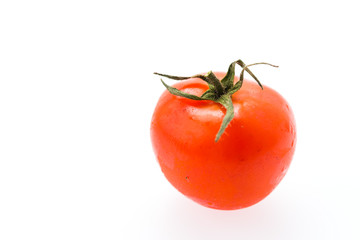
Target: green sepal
{"points": [[213, 82], [209, 95], [237, 85], [218, 87], [184, 78], [226, 101], [177, 92], [245, 68], [228, 80]]}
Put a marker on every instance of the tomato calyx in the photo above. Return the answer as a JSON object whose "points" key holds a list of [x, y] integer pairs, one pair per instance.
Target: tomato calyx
{"points": [[220, 91]]}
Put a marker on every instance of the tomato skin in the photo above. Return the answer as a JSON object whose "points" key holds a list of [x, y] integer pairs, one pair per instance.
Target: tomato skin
{"points": [[248, 161]]}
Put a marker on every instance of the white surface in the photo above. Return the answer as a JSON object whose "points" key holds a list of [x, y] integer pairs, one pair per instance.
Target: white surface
{"points": [[77, 94]]}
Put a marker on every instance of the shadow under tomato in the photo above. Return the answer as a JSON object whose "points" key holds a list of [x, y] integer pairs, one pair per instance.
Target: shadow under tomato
{"points": [[184, 219]]}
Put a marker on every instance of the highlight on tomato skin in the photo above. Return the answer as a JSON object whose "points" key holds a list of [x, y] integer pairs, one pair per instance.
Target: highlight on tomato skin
{"points": [[247, 161]]}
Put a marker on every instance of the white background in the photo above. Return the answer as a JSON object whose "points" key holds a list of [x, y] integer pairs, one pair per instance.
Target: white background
{"points": [[77, 95]]}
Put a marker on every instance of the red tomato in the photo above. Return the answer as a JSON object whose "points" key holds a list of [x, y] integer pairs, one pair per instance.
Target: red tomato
{"points": [[244, 165]]}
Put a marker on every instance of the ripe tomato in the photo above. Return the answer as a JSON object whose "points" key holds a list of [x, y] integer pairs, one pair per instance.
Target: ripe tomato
{"points": [[244, 165]]}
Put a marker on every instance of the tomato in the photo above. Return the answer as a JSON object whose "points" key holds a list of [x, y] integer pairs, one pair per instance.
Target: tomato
{"points": [[246, 163]]}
